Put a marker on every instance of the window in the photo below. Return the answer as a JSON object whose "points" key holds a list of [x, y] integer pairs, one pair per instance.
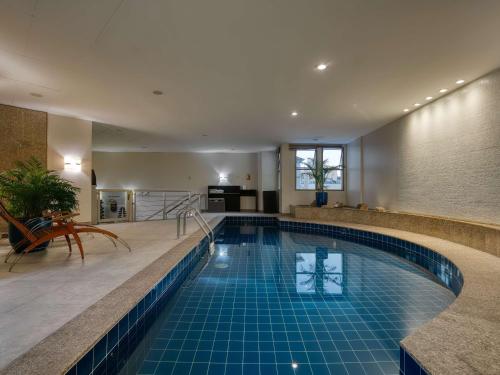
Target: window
{"points": [[331, 157], [303, 179]]}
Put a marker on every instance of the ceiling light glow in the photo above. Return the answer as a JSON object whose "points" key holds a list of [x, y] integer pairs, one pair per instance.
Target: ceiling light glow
{"points": [[428, 98], [295, 114], [460, 81], [295, 365], [405, 110], [443, 90], [416, 104], [321, 66]]}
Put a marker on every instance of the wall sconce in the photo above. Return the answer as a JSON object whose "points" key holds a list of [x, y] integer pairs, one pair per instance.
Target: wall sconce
{"points": [[222, 178], [72, 164]]}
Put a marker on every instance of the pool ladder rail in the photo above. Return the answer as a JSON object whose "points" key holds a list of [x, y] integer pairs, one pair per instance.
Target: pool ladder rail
{"points": [[190, 211]]}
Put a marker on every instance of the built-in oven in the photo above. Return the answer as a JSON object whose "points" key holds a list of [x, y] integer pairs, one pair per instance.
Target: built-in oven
{"points": [[216, 205]]}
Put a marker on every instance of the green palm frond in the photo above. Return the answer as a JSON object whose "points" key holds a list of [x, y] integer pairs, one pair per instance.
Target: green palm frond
{"points": [[319, 171], [29, 189]]}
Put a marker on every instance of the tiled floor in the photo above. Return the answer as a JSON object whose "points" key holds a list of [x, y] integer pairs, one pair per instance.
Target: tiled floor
{"points": [[274, 302]]}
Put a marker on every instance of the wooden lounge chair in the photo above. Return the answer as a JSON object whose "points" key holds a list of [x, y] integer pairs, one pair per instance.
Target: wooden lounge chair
{"points": [[63, 226]]}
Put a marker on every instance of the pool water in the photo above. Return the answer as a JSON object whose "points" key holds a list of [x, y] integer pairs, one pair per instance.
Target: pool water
{"points": [[276, 302]]}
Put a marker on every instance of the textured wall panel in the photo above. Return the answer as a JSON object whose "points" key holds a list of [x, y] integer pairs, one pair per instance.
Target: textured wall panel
{"points": [[23, 133], [443, 159], [353, 175]]}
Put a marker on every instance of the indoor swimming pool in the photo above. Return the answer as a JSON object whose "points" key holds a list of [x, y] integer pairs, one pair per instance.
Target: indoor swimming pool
{"points": [[274, 300]]}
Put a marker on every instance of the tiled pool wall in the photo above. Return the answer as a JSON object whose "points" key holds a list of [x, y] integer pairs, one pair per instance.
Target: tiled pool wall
{"points": [[408, 365], [112, 351]]}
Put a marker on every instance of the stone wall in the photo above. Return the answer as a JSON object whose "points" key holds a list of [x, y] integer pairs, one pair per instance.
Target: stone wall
{"points": [[479, 236], [23, 133]]}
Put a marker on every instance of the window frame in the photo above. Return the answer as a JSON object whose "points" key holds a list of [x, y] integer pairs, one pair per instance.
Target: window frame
{"points": [[342, 154], [318, 155], [315, 149]]}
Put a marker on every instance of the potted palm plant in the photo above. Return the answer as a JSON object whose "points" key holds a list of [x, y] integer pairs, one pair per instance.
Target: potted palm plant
{"points": [[320, 171], [28, 190]]}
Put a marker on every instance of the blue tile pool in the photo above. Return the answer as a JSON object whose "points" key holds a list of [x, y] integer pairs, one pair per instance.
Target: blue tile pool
{"points": [[279, 300]]}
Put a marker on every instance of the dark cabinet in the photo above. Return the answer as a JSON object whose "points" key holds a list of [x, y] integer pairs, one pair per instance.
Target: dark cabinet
{"points": [[270, 199], [230, 194]]}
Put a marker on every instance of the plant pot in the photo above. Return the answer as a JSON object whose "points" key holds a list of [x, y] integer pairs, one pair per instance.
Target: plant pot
{"points": [[321, 198], [15, 235]]}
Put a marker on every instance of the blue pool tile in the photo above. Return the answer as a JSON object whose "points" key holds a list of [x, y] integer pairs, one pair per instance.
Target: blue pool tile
{"points": [[355, 369], [250, 369], [232, 368], [100, 369], [84, 366], [199, 369], [182, 368], [285, 369], [216, 368], [100, 350], [262, 311], [164, 368], [148, 367], [270, 369], [410, 366], [123, 327], [320, 369], [112, 338], [337, 369]]}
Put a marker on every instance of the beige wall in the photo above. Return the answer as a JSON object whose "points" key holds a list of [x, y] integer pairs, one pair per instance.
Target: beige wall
{"points": [[288, 194], [72, 137], [175, 171], [443, 159]]}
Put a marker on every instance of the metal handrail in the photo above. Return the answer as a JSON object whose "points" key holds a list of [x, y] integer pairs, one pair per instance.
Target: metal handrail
{"points": [[171, 207], [162, 201], [196, 214], [150, 204]]}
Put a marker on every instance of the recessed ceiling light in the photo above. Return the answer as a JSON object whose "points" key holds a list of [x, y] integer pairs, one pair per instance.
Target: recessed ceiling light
{"points": [[416, 104], [36, 95], [295, 365], [294, 114], [443, 90], [428, 98], [405, 110], [460, 81], [321, 66], [158, 92]]}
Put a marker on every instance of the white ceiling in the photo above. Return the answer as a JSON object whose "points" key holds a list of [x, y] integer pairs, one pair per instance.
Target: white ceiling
{"points": [[235, 69]]}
